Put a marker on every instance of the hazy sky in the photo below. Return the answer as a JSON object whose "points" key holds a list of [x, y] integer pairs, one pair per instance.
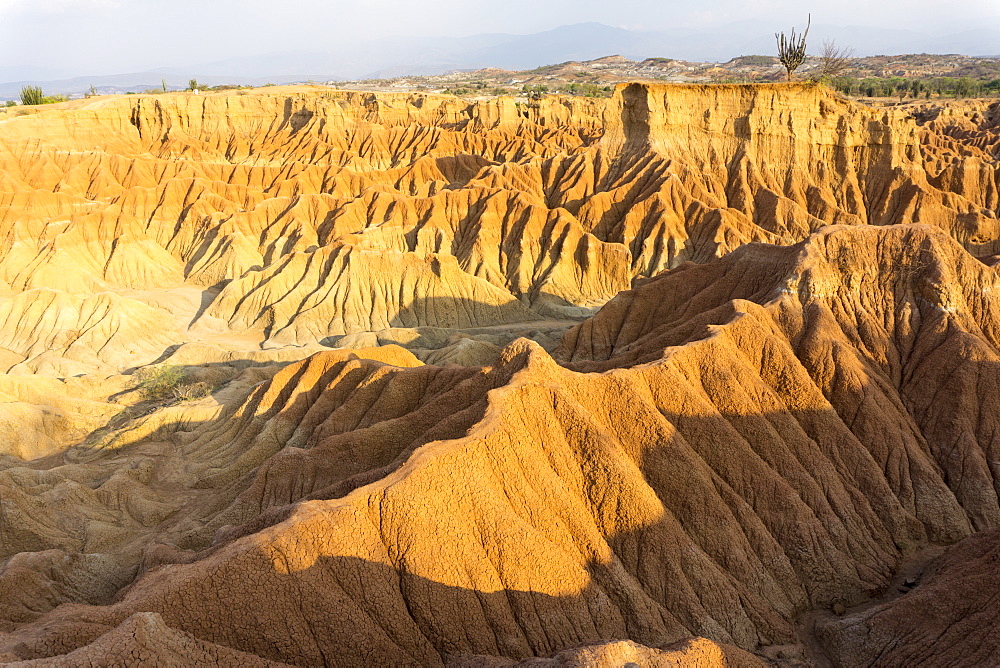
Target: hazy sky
{"points": [[112, 36]]}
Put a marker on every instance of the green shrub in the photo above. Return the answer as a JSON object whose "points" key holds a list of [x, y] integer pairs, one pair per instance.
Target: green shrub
{"points": [[159, 383], [32, 95], [168, 382]]}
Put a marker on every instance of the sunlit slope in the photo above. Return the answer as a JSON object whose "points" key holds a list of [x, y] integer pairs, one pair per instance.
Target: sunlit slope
{"points": [[736, 444], [295, 202]]}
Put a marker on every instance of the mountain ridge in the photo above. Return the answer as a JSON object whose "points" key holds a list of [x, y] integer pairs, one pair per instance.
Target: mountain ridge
{"points": [[585, 41]]}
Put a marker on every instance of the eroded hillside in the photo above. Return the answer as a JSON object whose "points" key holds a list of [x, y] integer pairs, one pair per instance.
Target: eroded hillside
{"points": [[306, 215], [734, 449], [740, 443]]}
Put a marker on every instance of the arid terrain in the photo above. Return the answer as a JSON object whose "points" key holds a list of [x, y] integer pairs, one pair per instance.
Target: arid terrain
{"points": [[689, 375], [872, 76]]}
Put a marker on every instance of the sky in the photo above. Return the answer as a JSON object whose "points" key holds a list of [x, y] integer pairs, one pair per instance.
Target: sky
{"points": [[80, 37]]}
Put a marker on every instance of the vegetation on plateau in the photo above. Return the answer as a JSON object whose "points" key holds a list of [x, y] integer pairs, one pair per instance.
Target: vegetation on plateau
{"points": [[33, 95], [903, 87], [792, 49]]}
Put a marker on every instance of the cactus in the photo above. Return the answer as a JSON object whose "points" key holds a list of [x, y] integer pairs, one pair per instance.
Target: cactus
{"points": [[792, 50]]}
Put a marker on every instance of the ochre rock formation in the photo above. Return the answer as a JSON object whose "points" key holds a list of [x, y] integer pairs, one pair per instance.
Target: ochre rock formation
{"points": [[143, 639], [689, 653], [945, 616], [734, 444], [294, 202], [764, 433]]}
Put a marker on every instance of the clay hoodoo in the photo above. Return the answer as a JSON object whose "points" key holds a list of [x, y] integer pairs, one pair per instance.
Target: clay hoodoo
{"points": [[736, 444]]}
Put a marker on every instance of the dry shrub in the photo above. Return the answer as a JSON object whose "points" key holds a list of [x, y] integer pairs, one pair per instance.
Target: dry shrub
{"points": [[192, 391], [158, 383], [169, 382]]}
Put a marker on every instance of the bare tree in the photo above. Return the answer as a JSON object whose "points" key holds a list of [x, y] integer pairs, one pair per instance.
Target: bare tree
{"points": [[833, 60], [792, 50]]}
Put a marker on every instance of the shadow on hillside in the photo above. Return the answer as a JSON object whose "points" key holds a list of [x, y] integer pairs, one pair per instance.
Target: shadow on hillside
{"points": [[459, 314], [346, 611], [497, 324], [716, 494], [617, 516]]}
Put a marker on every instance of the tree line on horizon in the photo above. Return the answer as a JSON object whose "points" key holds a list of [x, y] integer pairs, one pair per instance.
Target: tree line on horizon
{"points": [[903, 87]]}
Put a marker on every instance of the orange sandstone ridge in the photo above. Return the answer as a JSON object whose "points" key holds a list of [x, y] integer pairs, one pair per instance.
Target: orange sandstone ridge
{"points": [[754, 457], [316, 215], [791, 443]]}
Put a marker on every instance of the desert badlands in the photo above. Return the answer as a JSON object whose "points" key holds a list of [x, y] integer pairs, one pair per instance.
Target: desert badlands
{"points": [[693, 375]]}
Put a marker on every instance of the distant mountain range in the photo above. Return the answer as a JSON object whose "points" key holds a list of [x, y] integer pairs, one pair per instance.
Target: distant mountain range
{"points": [[393, 57]]}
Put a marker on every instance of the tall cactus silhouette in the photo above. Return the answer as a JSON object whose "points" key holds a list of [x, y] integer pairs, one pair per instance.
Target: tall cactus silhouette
{"points": [[792, 49]]}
